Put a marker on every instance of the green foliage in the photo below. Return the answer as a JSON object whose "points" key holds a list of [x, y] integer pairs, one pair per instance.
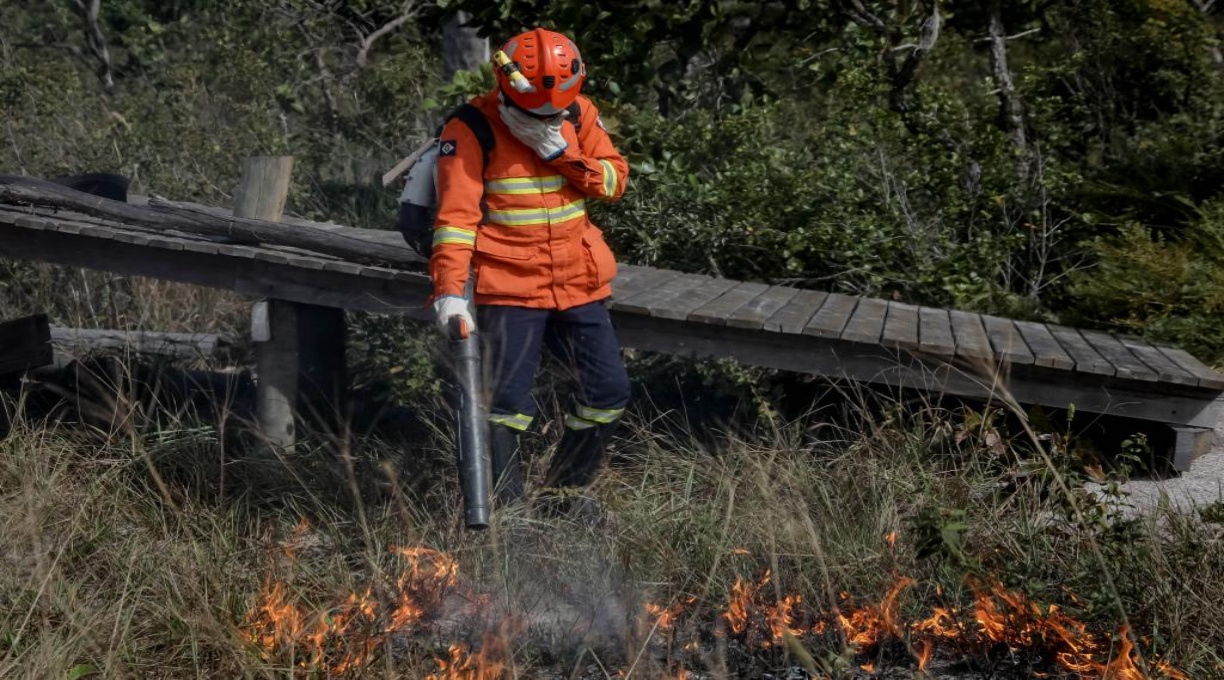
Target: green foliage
{"points": [[1170, 290]]}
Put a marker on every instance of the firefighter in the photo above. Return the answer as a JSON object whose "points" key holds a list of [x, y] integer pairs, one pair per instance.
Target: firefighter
{"points": [[514, 216]]}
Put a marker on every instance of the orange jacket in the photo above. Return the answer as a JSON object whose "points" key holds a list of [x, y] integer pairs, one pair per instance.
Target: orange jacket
{"points": [[520, 224]]}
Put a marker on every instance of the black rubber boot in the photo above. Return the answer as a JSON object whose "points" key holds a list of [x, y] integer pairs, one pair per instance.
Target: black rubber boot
{"points": [[579, 456], [507, 465]]}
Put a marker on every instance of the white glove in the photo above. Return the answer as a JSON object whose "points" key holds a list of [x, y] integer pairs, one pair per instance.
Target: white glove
{"points": [[542, 135], [449, 306]]}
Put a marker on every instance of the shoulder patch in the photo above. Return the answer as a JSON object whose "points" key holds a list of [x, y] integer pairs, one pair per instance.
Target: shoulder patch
{"points": [[447, 147]]}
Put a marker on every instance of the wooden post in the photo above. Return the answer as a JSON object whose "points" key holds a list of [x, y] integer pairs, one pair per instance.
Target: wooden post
{"points": [[261, 195], [299, 348], [322, 374]]}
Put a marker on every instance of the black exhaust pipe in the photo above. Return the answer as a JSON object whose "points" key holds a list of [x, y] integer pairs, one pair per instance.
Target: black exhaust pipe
{"points": [[475, 477]]}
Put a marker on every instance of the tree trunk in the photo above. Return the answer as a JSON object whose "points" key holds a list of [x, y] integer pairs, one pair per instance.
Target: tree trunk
{"points": [[1011, 112], [464, 50]]}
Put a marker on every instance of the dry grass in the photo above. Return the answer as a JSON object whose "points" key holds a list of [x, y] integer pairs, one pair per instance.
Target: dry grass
{"points": [[119, 557], [79, 298]]}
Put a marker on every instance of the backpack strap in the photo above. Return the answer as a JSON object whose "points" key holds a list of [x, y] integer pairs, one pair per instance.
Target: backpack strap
{"points": [[478, 124], [575, 115]]}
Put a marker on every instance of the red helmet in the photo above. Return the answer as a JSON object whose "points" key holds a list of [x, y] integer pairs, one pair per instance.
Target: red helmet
{"points": [[540, 71]]}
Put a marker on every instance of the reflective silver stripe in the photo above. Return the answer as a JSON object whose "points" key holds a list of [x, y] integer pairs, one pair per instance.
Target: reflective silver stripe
{"points": [[575, 423], [518, 421], [571, 81], [599, 415], [530, 216], [454, 235], [609, 178], [525, 185]]}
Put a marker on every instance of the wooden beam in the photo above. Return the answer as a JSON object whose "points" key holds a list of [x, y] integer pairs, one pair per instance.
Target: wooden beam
{"points": [[237, 228], [79, 341], [840, 360], [25, 344], [256, 277]]}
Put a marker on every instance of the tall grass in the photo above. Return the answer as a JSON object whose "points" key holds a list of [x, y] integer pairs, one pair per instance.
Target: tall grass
{"points": [[119, 555]]}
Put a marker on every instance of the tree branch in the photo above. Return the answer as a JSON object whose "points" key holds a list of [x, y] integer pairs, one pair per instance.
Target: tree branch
{"points": [[97, 41], [366, 41]]}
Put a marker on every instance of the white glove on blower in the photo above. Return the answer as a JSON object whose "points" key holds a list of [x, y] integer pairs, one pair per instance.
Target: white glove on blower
{"points": [[542, 135], [449, 306]]}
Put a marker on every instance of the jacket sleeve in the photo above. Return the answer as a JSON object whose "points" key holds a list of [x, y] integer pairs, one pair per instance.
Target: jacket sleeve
{"points": [[460, 184], [593, 166]]}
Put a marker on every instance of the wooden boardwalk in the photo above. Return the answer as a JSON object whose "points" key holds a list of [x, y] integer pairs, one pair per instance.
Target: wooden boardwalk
{"points": [[840, 337]]}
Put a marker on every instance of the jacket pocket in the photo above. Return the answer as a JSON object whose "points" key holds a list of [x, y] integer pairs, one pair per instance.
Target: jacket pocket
{"points": [[503, 269], [601, 263]]}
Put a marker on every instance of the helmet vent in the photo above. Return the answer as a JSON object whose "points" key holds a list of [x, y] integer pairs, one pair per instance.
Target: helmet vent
{"points": [[549, 82]]}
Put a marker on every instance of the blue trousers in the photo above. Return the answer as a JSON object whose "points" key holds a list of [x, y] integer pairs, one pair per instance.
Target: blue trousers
{"points": [[581, 337]]}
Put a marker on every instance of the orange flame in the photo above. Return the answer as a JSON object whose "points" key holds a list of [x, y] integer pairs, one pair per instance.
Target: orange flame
{"points": [[344, 636], [490, 663]]}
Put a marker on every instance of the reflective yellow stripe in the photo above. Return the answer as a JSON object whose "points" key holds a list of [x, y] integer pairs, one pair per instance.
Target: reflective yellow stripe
{"points": [[525, 185], [457, 235], [575, 423], [599, 415], [609, 178], [524, 217], [517, 421]]}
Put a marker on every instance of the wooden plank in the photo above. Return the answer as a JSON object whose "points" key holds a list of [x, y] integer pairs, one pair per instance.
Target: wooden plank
{"points": [[830, 320], [96, 231], [796, 314], [237, 251], [202, 247], [716, 311], [1087, 359], [646, 278], [25, 344], [271, 256], [1166, 369], [1046, 350], [347, 268], [867, 322], [972, 343], [1125, 364], [644, 301], [624, 274], [132, 237], [371, 272], [901, 326], [935, 332], [1006, 341], [164, 243], [27, 222], [757, 312], [679, 308], [1206, 377]]}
